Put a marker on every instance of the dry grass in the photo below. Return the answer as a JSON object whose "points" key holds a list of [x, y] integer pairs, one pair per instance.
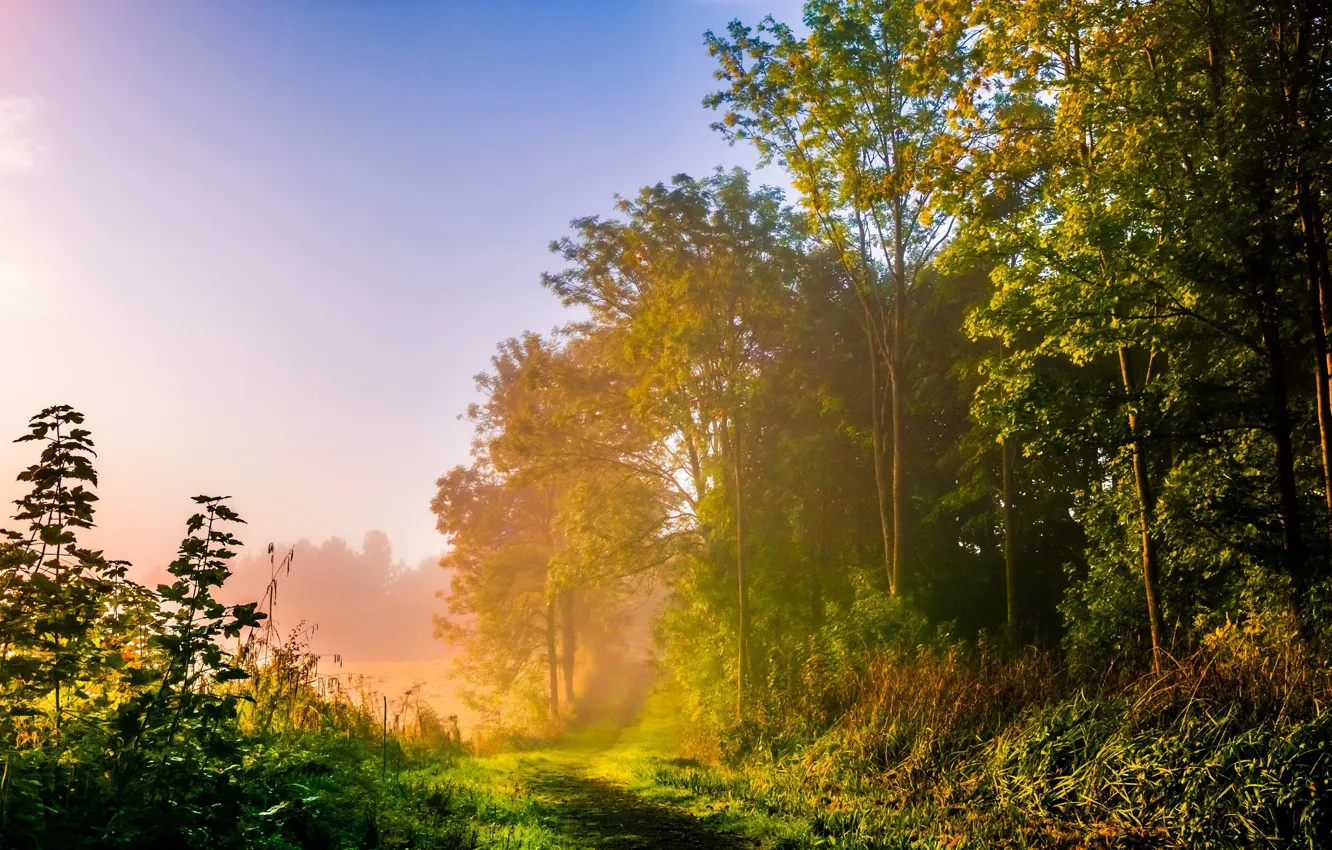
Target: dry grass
{"points": [[1226, 747]]}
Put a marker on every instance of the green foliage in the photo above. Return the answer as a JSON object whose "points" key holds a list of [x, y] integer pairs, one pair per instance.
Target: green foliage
{"points": [[964, 749], [121, 721], [66, 610], [1039, 345]]}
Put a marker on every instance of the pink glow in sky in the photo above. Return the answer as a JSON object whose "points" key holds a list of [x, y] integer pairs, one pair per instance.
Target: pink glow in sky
{"points": [[265, 245]]}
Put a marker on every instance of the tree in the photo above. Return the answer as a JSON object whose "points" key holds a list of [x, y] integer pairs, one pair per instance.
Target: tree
{"points": [[500, 549], [1129, 171], [555, 522], [855, 119], [690, 286]]}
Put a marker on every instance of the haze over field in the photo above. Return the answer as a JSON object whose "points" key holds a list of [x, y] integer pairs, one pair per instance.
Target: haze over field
{"points": [[372, 614]]}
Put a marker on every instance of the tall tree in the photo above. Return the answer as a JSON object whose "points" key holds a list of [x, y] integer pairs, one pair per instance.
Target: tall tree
{"points": [[855, 120], [500, 607], [1128, 166], [691, 283], [563, 512]]}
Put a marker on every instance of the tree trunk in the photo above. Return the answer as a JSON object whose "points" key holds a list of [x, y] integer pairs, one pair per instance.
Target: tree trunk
{"points": [[1310, 220], [899, 489], [1010, 535], [1321, 388], [552, 662], [899, 388], [1292, 533], [742, 587], [1146, 511], [816, 586], [731, 459], [1324, 283], [880, 473], [569, 641]]}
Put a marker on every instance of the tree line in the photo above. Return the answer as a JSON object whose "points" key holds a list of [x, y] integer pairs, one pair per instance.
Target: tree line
{"points": [[1037, 350]]}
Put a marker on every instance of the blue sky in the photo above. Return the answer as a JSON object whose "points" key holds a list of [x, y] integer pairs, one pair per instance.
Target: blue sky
{"points": [[264, 245]]}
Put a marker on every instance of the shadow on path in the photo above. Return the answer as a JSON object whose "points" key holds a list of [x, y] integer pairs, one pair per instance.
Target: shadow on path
{"points": [[600, 814]]}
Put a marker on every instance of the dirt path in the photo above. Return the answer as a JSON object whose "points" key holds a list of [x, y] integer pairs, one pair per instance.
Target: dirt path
{"points": [[596, 813]]}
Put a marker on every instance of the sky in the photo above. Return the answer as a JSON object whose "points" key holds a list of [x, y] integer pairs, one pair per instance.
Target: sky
{"points": [[264, 245]]}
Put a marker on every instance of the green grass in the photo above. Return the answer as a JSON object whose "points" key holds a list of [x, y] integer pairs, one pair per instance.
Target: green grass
{"points": [[1081, 772], [494, 799], [523, 799], [1163, 768], [529, 799], [595, 788]]}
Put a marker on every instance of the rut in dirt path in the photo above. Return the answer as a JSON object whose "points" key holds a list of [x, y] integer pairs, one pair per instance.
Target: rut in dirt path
{"points": [[599, 814]]}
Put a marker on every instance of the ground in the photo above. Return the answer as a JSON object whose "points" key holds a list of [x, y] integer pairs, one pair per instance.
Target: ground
{"points": [[599, 813], [590, 793], [577, 797]]}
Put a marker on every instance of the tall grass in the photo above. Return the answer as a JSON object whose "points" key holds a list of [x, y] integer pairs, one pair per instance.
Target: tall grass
{"points": [[1230, 746]]}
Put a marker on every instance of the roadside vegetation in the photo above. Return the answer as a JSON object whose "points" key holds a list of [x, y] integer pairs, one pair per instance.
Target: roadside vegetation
{"points": [[131, 723], [977, 491], [158, 717]]}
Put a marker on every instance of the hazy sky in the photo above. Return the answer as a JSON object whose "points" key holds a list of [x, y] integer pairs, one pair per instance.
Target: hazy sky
{"points": [[265, 244]]}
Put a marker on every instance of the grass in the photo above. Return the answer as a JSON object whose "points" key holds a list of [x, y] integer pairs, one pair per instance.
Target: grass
{"points": [[940, 752], [935, 752], [595, 788], [613, 787]]}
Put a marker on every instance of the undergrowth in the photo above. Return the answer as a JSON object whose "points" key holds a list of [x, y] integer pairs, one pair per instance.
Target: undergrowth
{"points": [[951, 745], [127, 719]]}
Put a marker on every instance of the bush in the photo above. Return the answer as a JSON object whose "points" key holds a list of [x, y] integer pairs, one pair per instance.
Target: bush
{"points": [[126, 722]]}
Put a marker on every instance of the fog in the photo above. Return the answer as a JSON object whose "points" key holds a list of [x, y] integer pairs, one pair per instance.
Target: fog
{"points": [[366, 605]]}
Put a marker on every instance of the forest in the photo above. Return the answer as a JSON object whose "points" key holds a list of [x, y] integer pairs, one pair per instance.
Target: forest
{"points": [[971, 488]]}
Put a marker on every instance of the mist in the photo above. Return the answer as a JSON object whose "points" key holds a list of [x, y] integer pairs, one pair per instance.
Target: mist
{"points": [[365, 604]]}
